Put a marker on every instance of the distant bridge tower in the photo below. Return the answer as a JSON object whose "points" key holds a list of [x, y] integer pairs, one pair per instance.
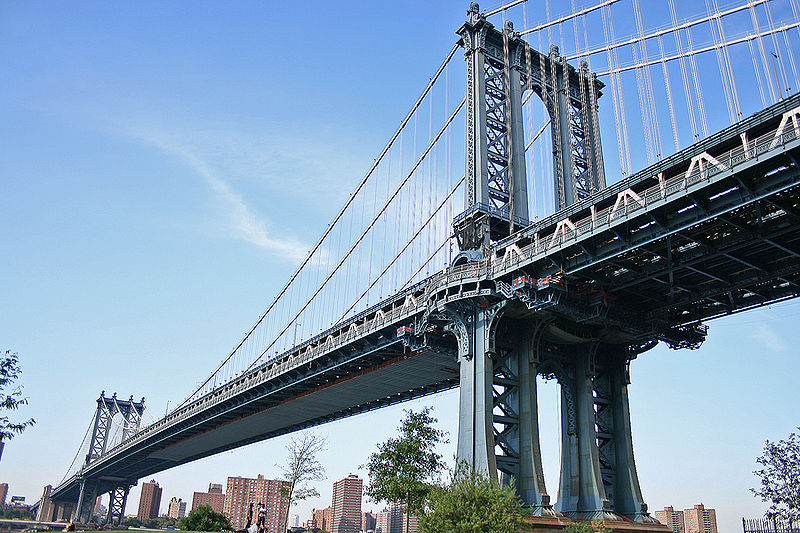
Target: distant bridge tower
{"points": [[503, 345], [107, 409]]}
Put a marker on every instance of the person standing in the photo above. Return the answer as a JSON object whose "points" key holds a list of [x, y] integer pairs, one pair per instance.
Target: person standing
{"points": [[249, 516], [262, 518]]}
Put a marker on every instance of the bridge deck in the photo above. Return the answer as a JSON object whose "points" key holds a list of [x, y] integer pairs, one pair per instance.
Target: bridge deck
{"points": [[671, 243]]}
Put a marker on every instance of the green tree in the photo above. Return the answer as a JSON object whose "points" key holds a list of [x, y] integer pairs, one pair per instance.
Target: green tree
{"points": [[404, 468], [17, 514], [579, 527], [780, 478], [131, 522], [587, 527], [301, 468], [205, 519], [473, 503], [11, 396]]}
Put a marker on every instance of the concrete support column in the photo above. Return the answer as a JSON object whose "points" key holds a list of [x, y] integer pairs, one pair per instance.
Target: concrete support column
{"points": [[581, 493], [64, 511], [46, 506]]}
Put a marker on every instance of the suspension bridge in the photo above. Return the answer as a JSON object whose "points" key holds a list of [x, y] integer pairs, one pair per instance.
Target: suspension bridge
{"points": [[541, 257]]}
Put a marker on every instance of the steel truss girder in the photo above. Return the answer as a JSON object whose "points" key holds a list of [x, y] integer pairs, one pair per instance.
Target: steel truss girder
{"points": [[666, 255]]}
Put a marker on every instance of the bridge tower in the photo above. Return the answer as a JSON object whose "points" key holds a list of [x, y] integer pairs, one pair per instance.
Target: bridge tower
{"points": [[501, 68], [131, 413], [503, 346]]}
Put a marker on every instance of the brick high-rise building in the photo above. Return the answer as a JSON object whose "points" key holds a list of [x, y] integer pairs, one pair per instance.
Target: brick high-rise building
{"points": [[700, 520], [3, 493], [393, 520], [390, 520], [383, 521], [367, 521], [100, 511], [177, 508], [346, 505], [671, 518], [149, 501], [412, 525], [321, 519], [242, 491], [214, 498]]}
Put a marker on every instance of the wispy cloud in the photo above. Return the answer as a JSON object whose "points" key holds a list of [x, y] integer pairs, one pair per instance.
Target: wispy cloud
{"points": [[245, 223], [767, 336]]}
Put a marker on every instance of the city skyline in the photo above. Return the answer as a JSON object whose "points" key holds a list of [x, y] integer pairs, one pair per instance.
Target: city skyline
{"points": [[141, 203]]}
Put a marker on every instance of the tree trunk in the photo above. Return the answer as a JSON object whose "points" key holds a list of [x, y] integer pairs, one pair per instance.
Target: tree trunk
{"points": [[288, 507], [408, 516]]}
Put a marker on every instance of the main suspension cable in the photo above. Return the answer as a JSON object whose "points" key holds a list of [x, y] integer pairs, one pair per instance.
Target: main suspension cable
{"points": [[405, 247], [330, 227], [397, 191]]}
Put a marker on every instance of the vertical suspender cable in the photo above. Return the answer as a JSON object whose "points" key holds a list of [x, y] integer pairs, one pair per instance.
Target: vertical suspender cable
{"points": [[729, 66], [399, 209], [758, 74], [413, 205], [777, 46], [717, 40], [698, 91], [643, 108], [575, 28], [791, 59], [684, 73], [668, 87], [611, 66], [620, 95], [431, 162], [648, 84], [447, 155], [763, 53], [623, 115]]}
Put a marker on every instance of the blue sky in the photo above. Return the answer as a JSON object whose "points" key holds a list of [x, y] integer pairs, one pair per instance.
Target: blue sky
{"points": [[165, 166]]}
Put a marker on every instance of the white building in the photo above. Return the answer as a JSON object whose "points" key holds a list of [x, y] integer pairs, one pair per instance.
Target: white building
{"points": [[177, 508]]}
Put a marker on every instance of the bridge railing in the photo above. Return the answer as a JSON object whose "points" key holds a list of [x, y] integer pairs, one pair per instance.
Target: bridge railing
{"points": [[701, 169], [340, 335], [773, 525]]}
